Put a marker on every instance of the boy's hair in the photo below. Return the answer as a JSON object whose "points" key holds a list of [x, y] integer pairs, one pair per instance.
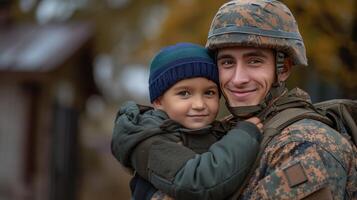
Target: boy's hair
{"points": [[178, 62]]}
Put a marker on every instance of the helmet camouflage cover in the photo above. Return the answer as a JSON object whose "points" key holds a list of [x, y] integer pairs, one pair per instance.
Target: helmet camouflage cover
{"points": [[257, 23]]}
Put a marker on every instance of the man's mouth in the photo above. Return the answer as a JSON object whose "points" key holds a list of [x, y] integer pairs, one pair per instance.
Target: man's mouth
{"points": [[242, 93]]}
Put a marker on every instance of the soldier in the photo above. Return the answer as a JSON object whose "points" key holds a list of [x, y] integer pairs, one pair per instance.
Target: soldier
{"points": [[256, 43]]}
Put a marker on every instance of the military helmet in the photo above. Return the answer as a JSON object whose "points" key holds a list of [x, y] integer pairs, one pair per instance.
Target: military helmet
{"points": [[257, 23]]}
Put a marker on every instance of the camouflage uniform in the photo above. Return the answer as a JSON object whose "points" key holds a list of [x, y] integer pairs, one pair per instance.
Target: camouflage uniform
{"points": [[311, 145], [308, 159]]}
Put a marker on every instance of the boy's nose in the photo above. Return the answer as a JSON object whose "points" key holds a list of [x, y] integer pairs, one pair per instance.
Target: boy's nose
{"points": [[198, 103]]}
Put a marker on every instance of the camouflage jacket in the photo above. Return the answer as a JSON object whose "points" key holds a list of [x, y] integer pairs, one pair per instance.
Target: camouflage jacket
{"points": [[307, 160]]}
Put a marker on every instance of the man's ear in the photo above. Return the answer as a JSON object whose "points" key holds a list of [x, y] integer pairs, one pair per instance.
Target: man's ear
{"points": [[286, 71], [157, 103]]}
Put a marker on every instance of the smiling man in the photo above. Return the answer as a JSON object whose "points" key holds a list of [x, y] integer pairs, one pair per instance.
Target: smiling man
{"points": [[256, 43], [246, 74]]}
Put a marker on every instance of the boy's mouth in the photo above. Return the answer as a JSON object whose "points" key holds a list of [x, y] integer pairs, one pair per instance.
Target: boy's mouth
{"points": [[198, 115]]}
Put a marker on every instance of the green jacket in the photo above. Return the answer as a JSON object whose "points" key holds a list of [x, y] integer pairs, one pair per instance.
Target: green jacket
{"points": [[148, 142]]}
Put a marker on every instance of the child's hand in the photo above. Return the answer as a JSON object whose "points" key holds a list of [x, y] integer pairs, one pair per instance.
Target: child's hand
{"points": [[158, 195], [257, 122]]}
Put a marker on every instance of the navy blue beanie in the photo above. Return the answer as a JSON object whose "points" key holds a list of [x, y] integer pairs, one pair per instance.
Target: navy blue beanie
{"points": [[178, 62]]}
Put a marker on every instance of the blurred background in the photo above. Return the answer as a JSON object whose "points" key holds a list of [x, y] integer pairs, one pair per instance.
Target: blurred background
{"points": [[67, 65]]}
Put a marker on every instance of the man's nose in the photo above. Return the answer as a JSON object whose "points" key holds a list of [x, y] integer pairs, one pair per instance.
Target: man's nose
{"points": [[240, 75]]}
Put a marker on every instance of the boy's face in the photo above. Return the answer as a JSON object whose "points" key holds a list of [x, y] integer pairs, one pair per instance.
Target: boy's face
{"points": [[191, 102]]}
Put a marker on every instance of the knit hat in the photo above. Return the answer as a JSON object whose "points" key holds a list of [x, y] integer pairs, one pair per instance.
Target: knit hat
{"points": [[178, 62]]}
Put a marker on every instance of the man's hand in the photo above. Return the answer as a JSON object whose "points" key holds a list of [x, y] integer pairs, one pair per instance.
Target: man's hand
{"points": [[257, 122]]}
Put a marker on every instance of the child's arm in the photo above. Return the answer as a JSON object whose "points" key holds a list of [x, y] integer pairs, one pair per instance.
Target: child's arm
{"points": [[215, 174], [132, 126], [179, 171]]}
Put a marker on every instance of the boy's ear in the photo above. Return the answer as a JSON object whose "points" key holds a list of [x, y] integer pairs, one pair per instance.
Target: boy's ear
{"points": [[285, 73], [157, 103]]}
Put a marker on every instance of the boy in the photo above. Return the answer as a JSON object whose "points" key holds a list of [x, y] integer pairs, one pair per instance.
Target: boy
{"points": [[184, 90]]}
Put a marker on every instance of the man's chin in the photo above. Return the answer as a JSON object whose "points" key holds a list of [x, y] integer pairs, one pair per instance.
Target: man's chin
{"points": [[240, 101], [242, 104]]}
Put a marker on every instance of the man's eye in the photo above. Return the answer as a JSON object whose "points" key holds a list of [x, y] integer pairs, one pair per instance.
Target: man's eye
{"points": [[254, 61], [225, 63]]}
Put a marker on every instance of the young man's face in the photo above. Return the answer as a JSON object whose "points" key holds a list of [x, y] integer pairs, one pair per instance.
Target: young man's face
{"points": [[246, 74], [191, 102]]}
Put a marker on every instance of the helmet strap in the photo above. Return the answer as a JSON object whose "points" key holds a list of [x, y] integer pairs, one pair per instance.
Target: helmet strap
{"points": [[279, 67]]}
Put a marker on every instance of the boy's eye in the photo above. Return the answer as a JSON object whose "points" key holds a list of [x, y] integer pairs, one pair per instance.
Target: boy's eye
{"points": [[210, 93], [183, 93]]}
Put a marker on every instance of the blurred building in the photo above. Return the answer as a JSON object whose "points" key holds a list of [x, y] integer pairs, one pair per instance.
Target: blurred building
{"points": [[45, 79]]}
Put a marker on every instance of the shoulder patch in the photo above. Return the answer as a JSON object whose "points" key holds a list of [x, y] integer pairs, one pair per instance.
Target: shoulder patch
{"points": [[297, 179], [295, 175]]}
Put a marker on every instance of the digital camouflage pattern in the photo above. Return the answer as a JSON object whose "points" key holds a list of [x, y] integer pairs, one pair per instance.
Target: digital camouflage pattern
{"points": [[324, 155], [257, 23], [325, 159]]}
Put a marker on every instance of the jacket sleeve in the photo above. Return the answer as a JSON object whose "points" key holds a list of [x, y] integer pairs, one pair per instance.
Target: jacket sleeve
{"points": [[132, 127], [301, 165], [311, 173], [215, 174]]}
